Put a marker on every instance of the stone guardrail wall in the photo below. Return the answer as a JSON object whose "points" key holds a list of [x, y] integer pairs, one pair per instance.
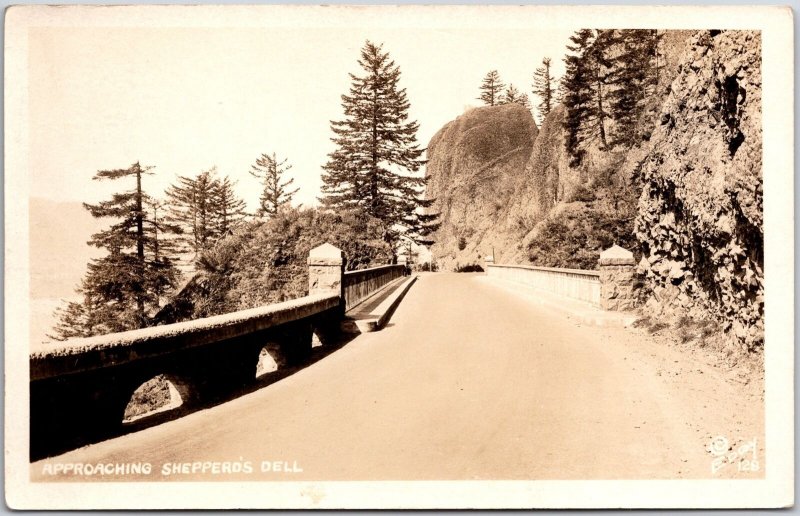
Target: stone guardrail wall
{"points": [[362, 284], [573, 283], [610, 288], [79, 389]]}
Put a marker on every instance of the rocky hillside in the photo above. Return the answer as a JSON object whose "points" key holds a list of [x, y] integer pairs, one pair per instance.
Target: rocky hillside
{"points": [[700, 214], [687, 198], [474, 168]]}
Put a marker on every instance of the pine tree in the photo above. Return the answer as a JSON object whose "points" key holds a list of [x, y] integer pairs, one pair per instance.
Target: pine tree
{"points": [[600, 67], [491, 89], [513, 96], [192, 207], [585, 85], [377, 153], [576, 86], [635, 77], [276, 192], [229, 209], [124, 288], [543, 88]]}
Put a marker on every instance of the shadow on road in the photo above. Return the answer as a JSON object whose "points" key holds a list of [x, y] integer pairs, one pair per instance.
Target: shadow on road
{"points": [[317, 353]]}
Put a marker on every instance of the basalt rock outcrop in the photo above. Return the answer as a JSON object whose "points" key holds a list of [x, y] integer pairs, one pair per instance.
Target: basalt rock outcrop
{"points": [[700, 214], [687, 199], [474, 169]]}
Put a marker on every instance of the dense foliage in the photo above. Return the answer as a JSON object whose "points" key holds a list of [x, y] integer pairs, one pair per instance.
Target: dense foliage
{"points": [[265, 261], [573, 236]]}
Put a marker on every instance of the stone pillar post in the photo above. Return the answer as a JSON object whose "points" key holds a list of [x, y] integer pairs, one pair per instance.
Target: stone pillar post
{"points": [[326, 271], [616, 279]]}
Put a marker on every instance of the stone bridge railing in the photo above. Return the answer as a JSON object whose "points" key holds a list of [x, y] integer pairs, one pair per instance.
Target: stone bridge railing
{"points": [[79, 389], [362, 284], [611, 287]]}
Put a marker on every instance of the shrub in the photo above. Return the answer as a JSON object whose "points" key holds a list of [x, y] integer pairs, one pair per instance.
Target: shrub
{"points": [[686, 333], [574, 237], [472, 267], [581, 194], [266, 261]]}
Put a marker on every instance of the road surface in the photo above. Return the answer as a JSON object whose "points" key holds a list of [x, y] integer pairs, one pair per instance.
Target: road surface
{"points": [[469, 380]]}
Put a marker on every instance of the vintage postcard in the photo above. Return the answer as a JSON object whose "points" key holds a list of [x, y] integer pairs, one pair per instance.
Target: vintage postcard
{"points": [[399, 257]]}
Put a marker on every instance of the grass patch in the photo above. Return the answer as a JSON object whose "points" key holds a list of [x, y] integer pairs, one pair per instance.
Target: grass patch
{"points": [[690, 329]]}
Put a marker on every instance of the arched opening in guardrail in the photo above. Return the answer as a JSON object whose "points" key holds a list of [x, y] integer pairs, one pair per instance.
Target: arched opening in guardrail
{"points": [[270, 359], [154, 396]]}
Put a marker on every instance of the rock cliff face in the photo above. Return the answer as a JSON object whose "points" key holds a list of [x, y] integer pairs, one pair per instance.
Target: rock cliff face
{"points": [[474, 168], [700, 214], [549, 176], [688, 198]]}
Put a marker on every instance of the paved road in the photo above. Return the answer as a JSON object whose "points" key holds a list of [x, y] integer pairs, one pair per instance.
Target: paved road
{"points": [[468, 381]]}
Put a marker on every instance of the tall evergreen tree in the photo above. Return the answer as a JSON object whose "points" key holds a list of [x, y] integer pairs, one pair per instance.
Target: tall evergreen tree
{"points": [[600, 66], [576, 85], [543, 87], [192, 207], [492, 89], [377, 154], [276, 192], [122, 289], [585, 85], [635, 77], [229, 209]]}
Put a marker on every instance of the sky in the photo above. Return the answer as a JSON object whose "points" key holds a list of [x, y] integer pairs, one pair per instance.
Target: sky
{"points": [[188, 98]]}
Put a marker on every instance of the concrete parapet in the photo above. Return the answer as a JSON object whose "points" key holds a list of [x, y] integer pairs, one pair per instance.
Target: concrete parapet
{"points": [[361, 285], [79, 389], [570, 283]]}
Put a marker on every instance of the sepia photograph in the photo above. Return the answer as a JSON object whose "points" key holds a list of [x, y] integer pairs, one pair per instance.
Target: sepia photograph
{"points": [[398, 257]]}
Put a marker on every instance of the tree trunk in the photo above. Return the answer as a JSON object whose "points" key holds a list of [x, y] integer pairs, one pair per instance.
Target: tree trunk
{"points": [[140, 247], [374, 173], [600, 115]]}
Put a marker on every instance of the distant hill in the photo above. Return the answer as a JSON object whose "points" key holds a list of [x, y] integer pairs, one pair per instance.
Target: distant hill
{"points": [[58, 256], [58, 250]]}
